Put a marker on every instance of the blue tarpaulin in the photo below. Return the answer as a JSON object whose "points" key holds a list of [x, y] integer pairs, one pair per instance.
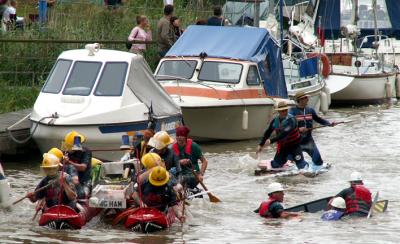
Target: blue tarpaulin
{"points": [[242, 43], [308, 67]]}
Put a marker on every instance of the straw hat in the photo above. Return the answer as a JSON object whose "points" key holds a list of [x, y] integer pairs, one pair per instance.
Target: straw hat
{"points": [[282, 105], [299, 95]]}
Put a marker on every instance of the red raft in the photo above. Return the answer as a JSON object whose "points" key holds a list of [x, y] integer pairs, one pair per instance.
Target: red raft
{"points": [[149, 220], [64, 217]]}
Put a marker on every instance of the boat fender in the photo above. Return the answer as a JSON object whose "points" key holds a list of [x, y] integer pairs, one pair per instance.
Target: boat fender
{"points": [[326, 68], [328, 94], [388, 89], [4, 193], [245, 120], [397, 84], [324, 102]]}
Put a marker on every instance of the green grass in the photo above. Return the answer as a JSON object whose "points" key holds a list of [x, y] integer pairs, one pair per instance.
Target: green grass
{"points": [[14, 98]]}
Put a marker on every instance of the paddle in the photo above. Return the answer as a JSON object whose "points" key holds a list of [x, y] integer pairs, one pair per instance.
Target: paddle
{"points": [[373, 205], [337, 123], [210, 195], [36, 191]]}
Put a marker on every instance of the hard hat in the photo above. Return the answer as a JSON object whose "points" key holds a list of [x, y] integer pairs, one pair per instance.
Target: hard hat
{"points": [[50, 161], [96, 162], [69, 139], [338, 202], [56, 152], [355, 176], [274, 187], [160, 140], [158, 176], [149, 160]]}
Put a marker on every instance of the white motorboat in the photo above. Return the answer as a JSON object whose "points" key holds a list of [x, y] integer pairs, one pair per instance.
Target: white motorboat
{"points": [[102, 94], [225, 79]]}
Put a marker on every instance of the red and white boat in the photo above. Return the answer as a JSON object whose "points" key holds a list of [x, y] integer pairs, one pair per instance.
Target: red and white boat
{"points": [[149, 220]]}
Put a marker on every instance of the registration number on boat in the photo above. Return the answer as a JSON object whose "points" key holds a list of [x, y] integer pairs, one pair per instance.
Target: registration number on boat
{"points": [[112, 204]]}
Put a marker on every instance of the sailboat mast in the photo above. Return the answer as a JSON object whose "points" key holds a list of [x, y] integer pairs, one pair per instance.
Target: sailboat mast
{"points": [[281, 21]]}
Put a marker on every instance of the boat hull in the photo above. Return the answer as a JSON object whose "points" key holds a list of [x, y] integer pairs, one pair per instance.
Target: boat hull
{"points": [[225, 122], [149, 220], [99, 137], [361, 90], [64, 217]]}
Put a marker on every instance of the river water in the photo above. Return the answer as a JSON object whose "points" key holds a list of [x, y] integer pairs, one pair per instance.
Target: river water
{"points": [[369, 144]]}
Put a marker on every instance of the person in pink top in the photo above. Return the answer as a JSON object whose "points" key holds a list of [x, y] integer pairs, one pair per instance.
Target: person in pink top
{"points": [[141, 32]]}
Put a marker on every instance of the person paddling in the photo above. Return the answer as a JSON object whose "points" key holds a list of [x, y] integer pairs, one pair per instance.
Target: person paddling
{"points": [[287, 137], [62, 184], [305, 116], [336, 211], [358, 198], [272, 208]]}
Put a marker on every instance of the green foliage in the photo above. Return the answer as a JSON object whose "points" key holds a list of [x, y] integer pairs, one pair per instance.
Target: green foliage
{"points": [[14, 98]]}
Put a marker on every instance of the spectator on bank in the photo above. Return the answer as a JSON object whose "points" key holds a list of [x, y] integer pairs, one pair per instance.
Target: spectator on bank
{"points": [[201, 22], [176, 24], [165, 31], [3, 7], [9, 16], [141, 32], [217, 19], [168, 2]]}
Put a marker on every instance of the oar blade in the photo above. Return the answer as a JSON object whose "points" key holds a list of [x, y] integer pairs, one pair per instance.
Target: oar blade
{"points": [[213, 198]]}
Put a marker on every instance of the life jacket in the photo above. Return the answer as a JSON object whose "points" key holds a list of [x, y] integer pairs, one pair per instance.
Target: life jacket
{"points": [[304, 117], [332, 215], [264, 208], [293, 138], [188, 149], [358, 201]]}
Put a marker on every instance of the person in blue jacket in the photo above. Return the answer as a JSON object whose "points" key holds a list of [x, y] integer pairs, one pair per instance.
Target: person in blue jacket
{"points": [[305, 116], [338, 209]]}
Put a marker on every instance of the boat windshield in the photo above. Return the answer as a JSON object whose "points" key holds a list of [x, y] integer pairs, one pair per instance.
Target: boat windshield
{"points": [[220, 72], [177, 68], [365, 14], [112, 79], [57, 76], [82, 78]]}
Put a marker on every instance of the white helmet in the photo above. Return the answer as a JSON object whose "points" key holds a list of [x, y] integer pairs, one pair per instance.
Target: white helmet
{"points": [[355, 176], [338, 202], [274, 187]]}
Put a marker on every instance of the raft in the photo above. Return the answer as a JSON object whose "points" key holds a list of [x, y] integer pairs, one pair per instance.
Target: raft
{"points": [[64, 217], [149, 220], [289, 169]]}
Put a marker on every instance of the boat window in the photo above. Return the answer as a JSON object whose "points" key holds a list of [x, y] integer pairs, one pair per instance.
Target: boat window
{"points": [[220, 72], [253, 78], [177, 68], [82, 78], [112, 80], [57, 76], [366, 15]]}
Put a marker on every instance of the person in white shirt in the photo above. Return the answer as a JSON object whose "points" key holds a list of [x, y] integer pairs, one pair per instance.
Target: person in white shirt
{"points": [[141, 32], [9, 16]]}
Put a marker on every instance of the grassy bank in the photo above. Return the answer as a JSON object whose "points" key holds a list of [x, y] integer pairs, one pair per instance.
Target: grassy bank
{"points": [[24, 65]]}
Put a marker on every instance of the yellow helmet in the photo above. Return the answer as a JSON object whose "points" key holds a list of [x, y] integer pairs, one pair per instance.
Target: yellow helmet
{"points": [[150, 160], [50, 161], [96, 162], [160, 140], [56, 152], [159, 176], [69, 139]]}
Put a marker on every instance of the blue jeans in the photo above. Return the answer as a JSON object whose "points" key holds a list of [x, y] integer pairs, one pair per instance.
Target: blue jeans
{"points": [[308, 145], [289, 153]]}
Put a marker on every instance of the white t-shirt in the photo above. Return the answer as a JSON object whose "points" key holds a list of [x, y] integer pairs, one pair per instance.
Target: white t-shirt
{"points": [[6, 17], [170, 2]]}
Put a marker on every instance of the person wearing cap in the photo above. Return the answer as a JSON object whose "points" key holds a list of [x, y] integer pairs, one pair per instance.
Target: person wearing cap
{"points": [[189, 154], [272, 208], [51, 168], [305, 116], [287, 137], [80, 158], [336, 211], [143, 147], [357, 197]]}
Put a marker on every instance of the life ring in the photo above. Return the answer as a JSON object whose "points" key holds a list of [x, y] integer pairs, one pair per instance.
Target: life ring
{"points": [[326, 68]]}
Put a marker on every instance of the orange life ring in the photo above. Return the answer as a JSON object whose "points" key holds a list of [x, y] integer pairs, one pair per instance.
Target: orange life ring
{"points": [[326, 68]]}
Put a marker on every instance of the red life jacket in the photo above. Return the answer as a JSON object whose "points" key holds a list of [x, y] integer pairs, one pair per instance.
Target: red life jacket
{"points": [[263, 210], [293, 138], [359, 201], [188, 148]]}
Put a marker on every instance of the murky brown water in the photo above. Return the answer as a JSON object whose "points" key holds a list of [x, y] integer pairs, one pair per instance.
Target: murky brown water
{"points": [[369, 145]]}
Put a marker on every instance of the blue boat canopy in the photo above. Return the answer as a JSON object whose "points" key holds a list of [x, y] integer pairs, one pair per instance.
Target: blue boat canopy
{"points": [[240, 43]]}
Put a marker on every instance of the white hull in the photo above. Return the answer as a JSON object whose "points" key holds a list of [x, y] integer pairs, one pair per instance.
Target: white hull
{"points": [[225, 122], [5, 198], [353, 89]]}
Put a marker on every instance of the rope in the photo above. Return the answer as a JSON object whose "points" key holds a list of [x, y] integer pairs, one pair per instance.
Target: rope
{"points": [[9, 131]]}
